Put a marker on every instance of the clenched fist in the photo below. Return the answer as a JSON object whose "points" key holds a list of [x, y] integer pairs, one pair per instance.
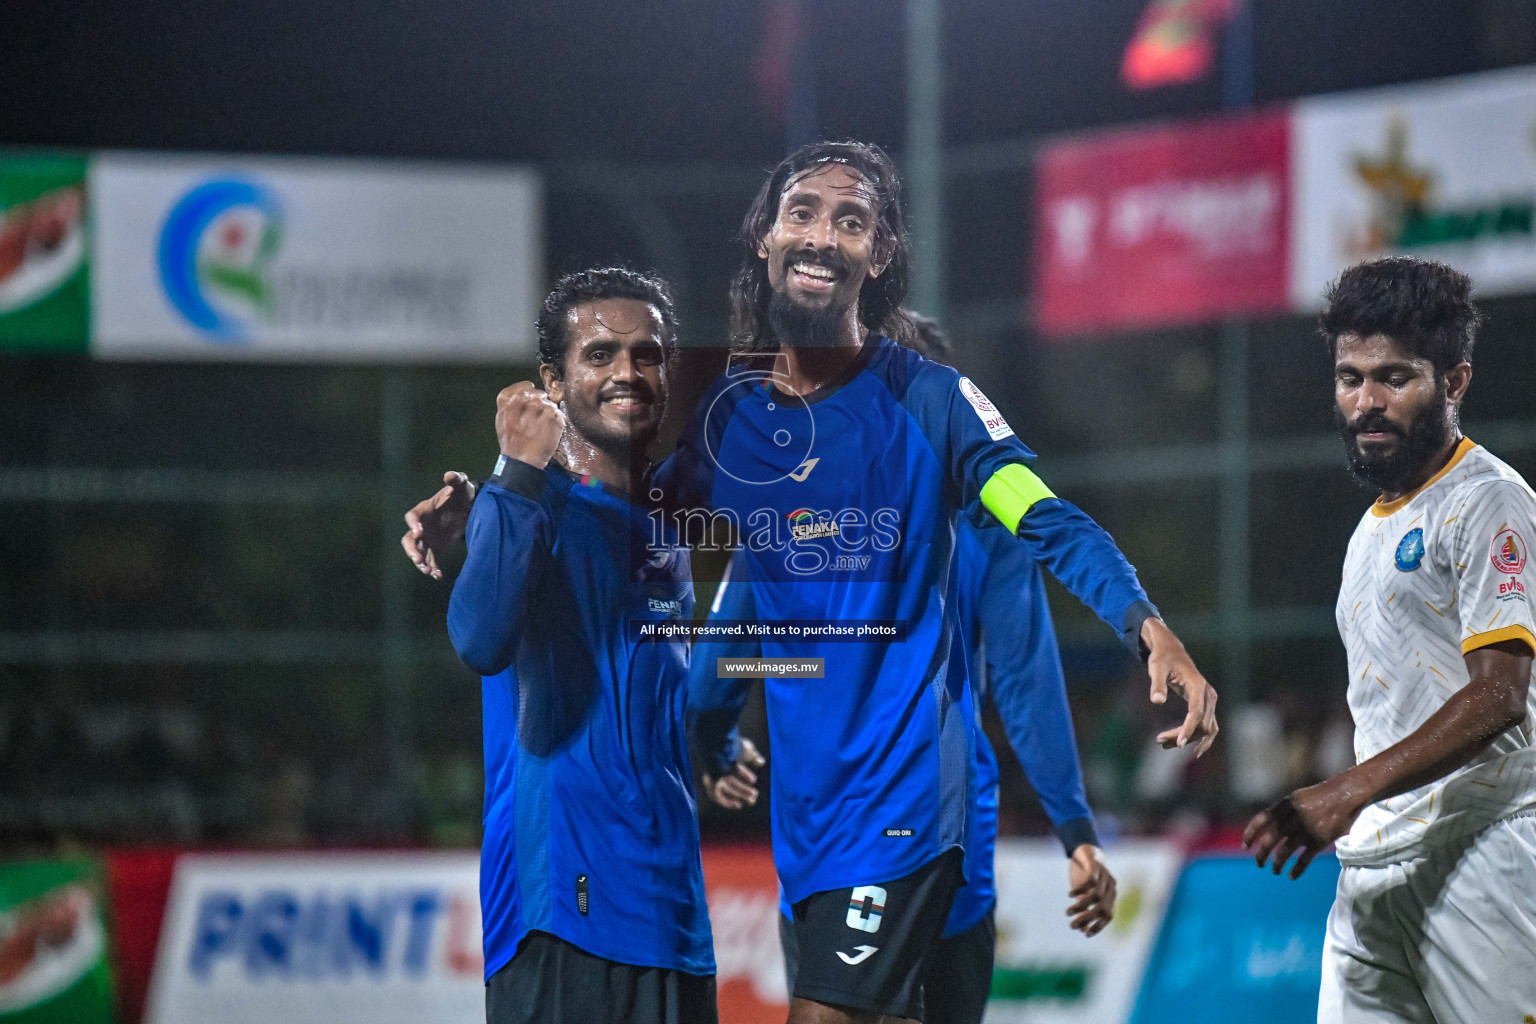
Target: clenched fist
{"points": [[528, 424]]}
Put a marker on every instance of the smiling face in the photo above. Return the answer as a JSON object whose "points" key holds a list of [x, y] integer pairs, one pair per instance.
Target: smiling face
{"points": [[822, 246], [1395, 412], [614, 383]]}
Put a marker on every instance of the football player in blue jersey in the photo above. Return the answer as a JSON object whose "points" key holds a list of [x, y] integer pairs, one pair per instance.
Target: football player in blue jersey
{"points": [[592, 888], [842, 461], [1005, 626]]}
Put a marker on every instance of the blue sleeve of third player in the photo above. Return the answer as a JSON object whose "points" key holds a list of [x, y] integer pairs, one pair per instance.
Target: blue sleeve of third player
{"points": [[1027, 684], [509, 532], [714, 704]]}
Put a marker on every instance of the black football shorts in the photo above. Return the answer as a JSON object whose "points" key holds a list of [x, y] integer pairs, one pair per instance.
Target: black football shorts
{"points": [[868, 947], [550, 981]]}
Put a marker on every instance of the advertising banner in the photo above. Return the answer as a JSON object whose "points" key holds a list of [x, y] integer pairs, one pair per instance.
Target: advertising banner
{"points": [[1445, 170], [1241, 944], [53, 944], [44, 253], [1164, 225], [200, 257], [321, 939], [743, 892], [1046, 972], [138, 889]]}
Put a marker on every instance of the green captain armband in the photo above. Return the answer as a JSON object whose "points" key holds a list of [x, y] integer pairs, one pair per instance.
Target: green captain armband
{"points": [[1012, 492]]}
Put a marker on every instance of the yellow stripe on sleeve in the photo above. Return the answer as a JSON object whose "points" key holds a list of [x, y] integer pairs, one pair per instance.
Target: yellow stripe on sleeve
{"points": [[1011, 492], [1477, 640]]}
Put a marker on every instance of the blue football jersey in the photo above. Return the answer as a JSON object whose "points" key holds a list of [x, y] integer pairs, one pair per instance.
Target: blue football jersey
{"points": [[845, 503], [1002, 592], [591, 831]]}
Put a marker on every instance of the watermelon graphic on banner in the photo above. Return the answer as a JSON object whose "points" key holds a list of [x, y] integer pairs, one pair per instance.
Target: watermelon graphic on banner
{"points": [[44, 289]]}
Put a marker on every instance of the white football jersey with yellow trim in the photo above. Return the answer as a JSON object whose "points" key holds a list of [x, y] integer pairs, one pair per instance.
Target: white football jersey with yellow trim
{"points": [[1427, 578]]}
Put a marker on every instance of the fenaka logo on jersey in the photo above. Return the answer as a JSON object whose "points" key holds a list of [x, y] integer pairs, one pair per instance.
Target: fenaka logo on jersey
{"points": [[1507, 552], [805, 525], [666, 607], [1410, 550], [997, 427]]}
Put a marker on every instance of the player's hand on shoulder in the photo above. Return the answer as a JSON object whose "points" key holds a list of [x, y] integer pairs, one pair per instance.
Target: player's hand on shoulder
{"points": [[528, 424], [1171, 668], [434, 525], [1308, 820], [1092, 890], [737, 789]]}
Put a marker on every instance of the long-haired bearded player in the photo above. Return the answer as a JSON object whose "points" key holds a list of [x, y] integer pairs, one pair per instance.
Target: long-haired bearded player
{"points": [[1010, 645], [870, 453]]}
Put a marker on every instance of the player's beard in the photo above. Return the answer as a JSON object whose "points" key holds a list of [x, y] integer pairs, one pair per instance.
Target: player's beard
{"points": [[1392, 472], [801, 326]]}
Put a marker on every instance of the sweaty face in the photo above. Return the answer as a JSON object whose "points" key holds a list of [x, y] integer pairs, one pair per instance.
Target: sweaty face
{"points": [[614, 387], [1393, 411], [820, 250]]}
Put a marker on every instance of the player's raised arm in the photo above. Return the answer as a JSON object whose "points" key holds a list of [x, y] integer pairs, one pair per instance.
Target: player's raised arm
{"points": [[508, 530], [989, 466], [1084, 557]]}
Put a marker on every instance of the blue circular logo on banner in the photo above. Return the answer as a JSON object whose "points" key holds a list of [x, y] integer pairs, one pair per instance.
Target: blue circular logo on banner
{"points": [[215, 249], [1410, 550]]}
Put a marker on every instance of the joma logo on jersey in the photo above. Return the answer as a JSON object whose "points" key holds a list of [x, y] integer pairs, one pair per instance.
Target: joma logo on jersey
{"points": [[865, 905]]}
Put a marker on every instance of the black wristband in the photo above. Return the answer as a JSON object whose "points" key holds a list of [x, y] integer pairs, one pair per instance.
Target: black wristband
{"points": [[1136, 616], [1075, 833], [517, 476]]}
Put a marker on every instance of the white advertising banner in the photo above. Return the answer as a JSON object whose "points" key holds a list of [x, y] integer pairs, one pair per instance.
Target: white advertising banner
{"points": [[1045, 972], [1444, 170], [268, 258], [321, 939]]}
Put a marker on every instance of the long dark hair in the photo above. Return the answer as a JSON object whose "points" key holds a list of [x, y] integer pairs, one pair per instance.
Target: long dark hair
{"points": [[881, 297]]}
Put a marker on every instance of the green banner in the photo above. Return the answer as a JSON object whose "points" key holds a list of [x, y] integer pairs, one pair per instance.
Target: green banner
{"points": [[53, 944], [44, 254]]}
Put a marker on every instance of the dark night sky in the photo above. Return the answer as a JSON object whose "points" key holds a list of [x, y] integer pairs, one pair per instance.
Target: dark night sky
{"points": [[653, 80]]}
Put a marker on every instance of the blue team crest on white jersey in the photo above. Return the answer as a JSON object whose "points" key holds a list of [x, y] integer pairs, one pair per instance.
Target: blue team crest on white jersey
{"points": [[1410, 550]]}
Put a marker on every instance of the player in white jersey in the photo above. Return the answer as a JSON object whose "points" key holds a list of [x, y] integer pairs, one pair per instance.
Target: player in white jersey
{"points": [[1435, 916]]}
